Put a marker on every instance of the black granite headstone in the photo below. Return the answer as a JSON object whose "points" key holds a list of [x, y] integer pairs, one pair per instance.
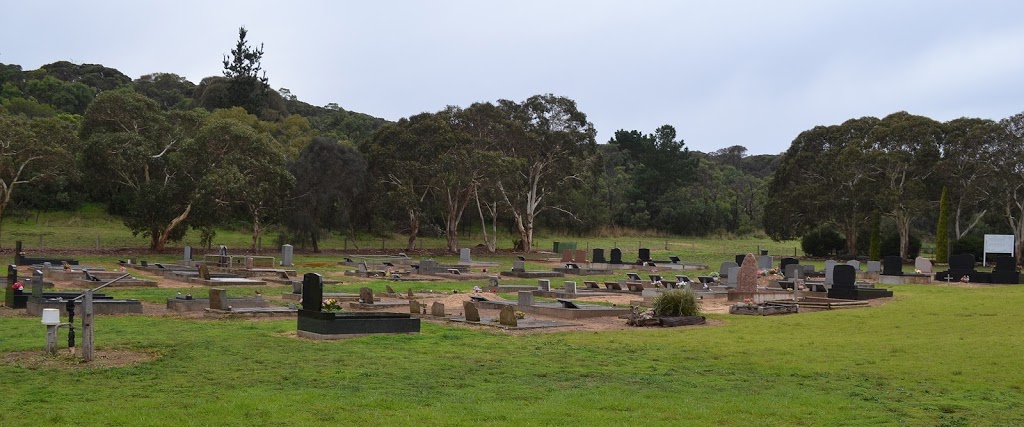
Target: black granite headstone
{"points": [[616, 256], [844, 276], [892, 265], [1005, 263], [1005, 271], [312, 292], [739, 258], [598, 256], [961, 262], [644, 254], [787, 261]]}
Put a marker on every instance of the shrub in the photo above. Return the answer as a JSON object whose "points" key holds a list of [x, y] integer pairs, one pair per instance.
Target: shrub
{"points": [[891, 245], [822, 242], [677, 302], [972, 244]]}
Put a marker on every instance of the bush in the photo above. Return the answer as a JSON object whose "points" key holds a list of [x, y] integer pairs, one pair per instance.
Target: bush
{"points": [[891, 245], [822, 242], [676, 303], [973, 244]]}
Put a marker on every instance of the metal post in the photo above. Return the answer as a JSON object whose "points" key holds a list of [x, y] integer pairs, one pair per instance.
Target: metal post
{"points": [[87, 335], [70, 306], [51, 339]]}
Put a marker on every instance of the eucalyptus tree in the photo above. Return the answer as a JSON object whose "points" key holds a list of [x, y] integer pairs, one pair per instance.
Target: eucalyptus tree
{"points": [[1008, 178], [968, 152]]}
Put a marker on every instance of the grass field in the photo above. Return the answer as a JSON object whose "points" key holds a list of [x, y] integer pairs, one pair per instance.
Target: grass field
{"points": [[934, 355]]}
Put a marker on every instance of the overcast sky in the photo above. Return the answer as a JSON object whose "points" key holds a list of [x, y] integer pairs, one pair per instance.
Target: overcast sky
{"points": [[751, 73]]}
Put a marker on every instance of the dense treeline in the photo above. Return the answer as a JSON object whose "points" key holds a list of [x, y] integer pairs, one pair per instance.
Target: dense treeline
{"points": [[168, 155], [900, 167]]}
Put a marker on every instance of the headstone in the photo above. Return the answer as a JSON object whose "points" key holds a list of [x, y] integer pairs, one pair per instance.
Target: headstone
{"points": [[366, 295], [616, 256], [923, 264], [464, 256], [854, 263], [472, 314], [187, 256], [437, 309], [296, 287], [793, 271], [312, 292], [723, 270], [218, 299], [544, 285], [830, 266], [286, 255], [223, 253], [12, 278], [808, 269], [525, 298], [739, 259], [567, 255], [518, 266], [764, 262], [844, 276], [390, 290], [732, 280], [414, 307], [598, 256], [507, 316], [746, 280], [961, 262], [644, 254], [570, 287], [581, 256], [204, 272], [37, 284], [250, 263], [892, 266], [409, 293], [787, 261], [874, 267], [1003, 263]]}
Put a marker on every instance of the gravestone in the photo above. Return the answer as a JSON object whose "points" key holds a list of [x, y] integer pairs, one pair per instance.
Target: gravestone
{"points": [[598, 256], [493, 281], [723, 270], [223, 253], [472, 314], [764, 262], [187, 256], [830, 265], [544, 285], [12, 278], [1003, 263], [464, 256], [218, 299], [732, 280], [844, 276], [892, 266], [923, 264], [739, 259], [312, 292], [414, 307], [1005, 271], [366, 295], [390, 290], [204, 272], [854, 263], [507, 316], [249, 263], [525, 298], [518, 266], [570, 287], [37, 284], [644, 254], [746, 280], [793, 271], [567, 255], [581, 256], [437, 309], [874, 267], [961, 262], [616, 256], [409, 293], [286, 255], [808, 269], [787, 261]]}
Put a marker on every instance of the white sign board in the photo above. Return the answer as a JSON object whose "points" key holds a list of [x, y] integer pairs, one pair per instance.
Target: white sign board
{"points": [[999, 244]]}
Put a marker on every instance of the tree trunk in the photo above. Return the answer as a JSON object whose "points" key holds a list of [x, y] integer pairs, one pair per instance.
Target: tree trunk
{"points": [[414, 229], [521, 229], [316, 246], [170, 228], [903, 228], [255, 229]]}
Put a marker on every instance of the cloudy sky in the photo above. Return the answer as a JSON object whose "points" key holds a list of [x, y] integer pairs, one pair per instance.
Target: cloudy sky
{"points": [[751, 73]]}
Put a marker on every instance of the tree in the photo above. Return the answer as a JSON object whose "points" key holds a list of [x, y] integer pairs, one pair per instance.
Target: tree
{"points": [[549, 140], [1009, 177], [942, 235], [966, 168], [32, 151], [875, 248], [658, 163], [329, 180], [167, 89], [248, 85]]}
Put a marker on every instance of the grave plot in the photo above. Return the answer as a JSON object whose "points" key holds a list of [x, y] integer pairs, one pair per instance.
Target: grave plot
{"points": [[91, 279], [845, 286], [367, 302], [220, 307], [206, 278], [186, 303], [315, 323], [35, 300], [508, 318], [892, 272], [519, 270], [21, 259]]}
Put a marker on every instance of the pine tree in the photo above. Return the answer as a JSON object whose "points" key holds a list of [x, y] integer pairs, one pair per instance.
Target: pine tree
{"points": [[942, 231], [248, 88]]}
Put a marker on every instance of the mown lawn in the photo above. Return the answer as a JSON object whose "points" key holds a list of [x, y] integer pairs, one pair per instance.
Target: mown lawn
{"points": [[936, 355]]}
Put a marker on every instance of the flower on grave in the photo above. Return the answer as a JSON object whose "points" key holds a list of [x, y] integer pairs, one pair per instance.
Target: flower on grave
{"points": [[331, 305], [748, 302], [18, 286], [520, 315], [965, 279], [773, 271], [476, 289], [917, 271]]}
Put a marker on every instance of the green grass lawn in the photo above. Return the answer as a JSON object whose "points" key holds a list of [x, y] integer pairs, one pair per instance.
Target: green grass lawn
{"points": [[935, 355]]}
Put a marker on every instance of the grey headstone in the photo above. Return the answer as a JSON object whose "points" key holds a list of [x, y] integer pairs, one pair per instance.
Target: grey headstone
{"points": [[525, 298], [296, 287], [808, 269], [286, 255], [734, 274], [507, 316], [493, 281], [570, 287], [437, 309], [390, 290], [923, 264], [464, 255], [794, 271], [218, 299], [366, 295], [518, 266], [874, 266], [187, 256], [37, 284], [409, 293], [472, 314], [250, 263], [544, 285], [854, 263], [830, 265], [414, 307], [764, 262], [204, 272], [723, 270]]}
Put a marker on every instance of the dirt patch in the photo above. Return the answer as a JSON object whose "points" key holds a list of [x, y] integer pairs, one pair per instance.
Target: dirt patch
{"points": [[65, 360]]}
